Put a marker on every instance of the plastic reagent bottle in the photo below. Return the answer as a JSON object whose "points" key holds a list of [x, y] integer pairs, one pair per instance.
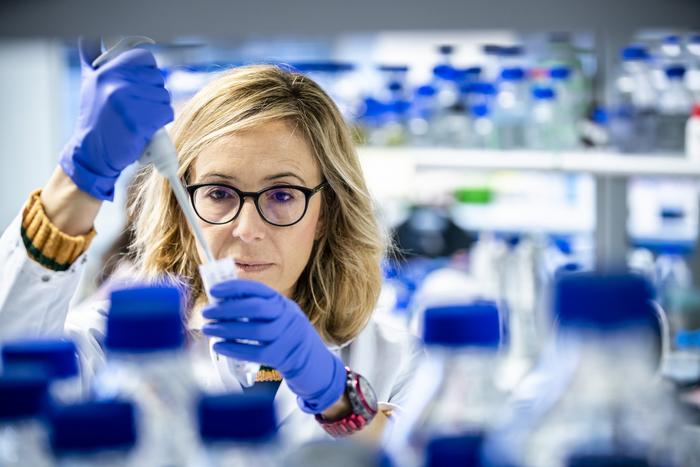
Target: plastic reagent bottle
{"points": [[23, 399], [146, 362]]}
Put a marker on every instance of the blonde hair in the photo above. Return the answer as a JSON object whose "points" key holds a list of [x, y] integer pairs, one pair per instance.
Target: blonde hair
{"points": [[340, 285]]}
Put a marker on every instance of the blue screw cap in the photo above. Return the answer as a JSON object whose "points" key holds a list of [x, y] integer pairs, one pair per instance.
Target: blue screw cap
{"points": [[237, 418], [144, 319], [477, 324], [57, 357]]}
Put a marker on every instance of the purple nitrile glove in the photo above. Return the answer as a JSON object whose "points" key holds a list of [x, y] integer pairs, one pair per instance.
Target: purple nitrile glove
{"points": [[122, 104], [288, 341]]}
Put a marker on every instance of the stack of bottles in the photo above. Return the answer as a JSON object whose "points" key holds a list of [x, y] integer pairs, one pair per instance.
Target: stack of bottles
{"points": [[654, 93], [143, 407], [500, 104], [507, 378], [513, 97]]}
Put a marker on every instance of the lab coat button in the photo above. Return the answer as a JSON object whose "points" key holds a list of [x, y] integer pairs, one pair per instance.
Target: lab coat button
{"points": [[45, 278]]}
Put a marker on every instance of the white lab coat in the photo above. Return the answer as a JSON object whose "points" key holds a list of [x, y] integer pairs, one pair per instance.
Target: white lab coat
{"points": [[34, 301]]}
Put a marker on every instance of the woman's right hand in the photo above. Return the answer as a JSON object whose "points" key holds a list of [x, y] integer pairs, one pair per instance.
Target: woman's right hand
{"points": [[122, 104]]}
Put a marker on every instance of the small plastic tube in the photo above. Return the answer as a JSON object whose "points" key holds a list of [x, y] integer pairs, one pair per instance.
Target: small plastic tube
{"points": [[212, 273]]}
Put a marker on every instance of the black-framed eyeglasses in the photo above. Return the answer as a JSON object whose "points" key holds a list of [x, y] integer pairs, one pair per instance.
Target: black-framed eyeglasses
{"points": [[279, 205]]}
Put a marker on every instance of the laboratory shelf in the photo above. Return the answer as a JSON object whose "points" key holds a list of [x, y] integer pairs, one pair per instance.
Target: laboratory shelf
{"points": [[591, 162], [392, 171]]}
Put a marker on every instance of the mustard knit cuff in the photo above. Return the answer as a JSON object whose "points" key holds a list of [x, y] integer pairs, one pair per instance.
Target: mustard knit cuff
{"points": [[45, 243], [267, 374]]}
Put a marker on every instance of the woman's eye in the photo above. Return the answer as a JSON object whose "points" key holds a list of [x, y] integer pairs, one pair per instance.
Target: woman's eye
{"points": [[218, 194], [280, 196]]}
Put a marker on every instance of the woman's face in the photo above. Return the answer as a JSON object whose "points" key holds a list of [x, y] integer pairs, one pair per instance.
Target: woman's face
{"points": [[251, 160]]}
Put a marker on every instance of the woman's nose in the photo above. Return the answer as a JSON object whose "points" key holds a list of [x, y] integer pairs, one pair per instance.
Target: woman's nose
{"points": [[248, 226]]}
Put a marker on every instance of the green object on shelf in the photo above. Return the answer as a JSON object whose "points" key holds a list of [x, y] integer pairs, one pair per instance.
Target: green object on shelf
{"points": [[474, 195]]}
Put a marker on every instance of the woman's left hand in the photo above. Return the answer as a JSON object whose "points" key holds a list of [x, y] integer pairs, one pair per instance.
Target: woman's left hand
{"points": [[288, 341]]}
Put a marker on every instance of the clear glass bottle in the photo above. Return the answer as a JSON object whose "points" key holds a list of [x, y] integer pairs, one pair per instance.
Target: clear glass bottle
{"points": [[543, 131], [595, 392], [634, 115], [453, 390], [511, 108], [675, 104], [23, 437], [146, 362]]}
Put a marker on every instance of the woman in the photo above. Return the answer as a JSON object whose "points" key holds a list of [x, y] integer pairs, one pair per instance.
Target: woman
{"points": [[277, 186]]}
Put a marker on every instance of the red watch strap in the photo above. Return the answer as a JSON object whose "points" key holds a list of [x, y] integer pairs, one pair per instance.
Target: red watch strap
{"points": [[343, 427]]}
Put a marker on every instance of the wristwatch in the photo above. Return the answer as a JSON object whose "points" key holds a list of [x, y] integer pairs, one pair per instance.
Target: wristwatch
{"points": [[363, 402]]}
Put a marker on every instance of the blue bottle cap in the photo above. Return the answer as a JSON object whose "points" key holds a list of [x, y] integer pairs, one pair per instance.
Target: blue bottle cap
{"points": [[446, 49], [145, 319], [562, 242], [675, 72], [480, 110], [672, 212], [672, 39], [606, 460], [446, 72], [473, 71], [237, 418], [567, 268], [395, 86], [482, 87], [491, 49], [90, 427], [600, 116], [463, 449], [426, 91], [23, 394], [393, 68], [512, 51], [635, 52], [399, 106], [694, 39], [560, 72], [512, 239], [57, 357], [666, 246], [476, 324], [603, 301], [513, 74], [373, 108], [543, 93], [323, 67]]}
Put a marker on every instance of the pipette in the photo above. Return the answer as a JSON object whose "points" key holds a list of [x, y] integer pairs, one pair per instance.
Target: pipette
{"points": [[161, 152]]}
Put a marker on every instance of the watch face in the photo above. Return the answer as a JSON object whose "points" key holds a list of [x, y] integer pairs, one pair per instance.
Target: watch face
{"points": [[368, 394]]}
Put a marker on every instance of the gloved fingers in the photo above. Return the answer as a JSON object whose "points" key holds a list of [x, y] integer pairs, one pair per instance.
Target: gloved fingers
{"points": [[89, 49], [261, 331], [147, 93], [132, 58], [141, 75], [291, 351], [241, 288], [153, 117], [141, 117], [253, 308]]}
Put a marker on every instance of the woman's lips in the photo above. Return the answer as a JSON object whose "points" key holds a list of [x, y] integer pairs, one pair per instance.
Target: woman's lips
{"points": [[252, 266]]}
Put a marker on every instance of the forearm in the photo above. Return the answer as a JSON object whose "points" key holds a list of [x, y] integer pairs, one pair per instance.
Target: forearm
{"points": [[71, 210]]}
